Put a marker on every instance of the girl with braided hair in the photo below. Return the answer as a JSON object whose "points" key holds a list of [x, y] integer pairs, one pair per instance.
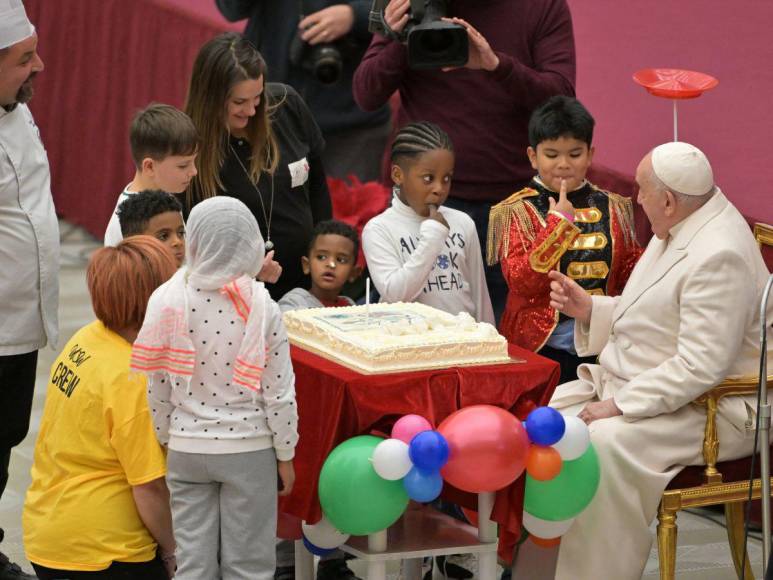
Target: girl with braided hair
{"points": [[418, 250]]}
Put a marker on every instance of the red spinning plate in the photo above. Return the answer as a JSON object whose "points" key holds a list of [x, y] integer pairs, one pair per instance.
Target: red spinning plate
{"points": [[674, 83]]}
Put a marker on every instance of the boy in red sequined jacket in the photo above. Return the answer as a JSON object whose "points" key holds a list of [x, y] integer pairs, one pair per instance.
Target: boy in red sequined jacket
{"points": [[559, 221]]}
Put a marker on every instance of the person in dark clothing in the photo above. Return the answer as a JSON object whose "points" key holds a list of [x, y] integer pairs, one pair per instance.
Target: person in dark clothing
{"points": [[287, 32], [521, 53], [259, 144]]}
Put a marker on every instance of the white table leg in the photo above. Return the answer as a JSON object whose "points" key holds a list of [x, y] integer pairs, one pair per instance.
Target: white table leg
{"points": [[487, 532], [412, 569], [377, 543], [304, 562]]}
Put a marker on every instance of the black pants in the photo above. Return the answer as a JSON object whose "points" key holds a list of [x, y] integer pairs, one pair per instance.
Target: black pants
{"points": [[568, 361], [17, 385], [153, 570], [497, 287]]}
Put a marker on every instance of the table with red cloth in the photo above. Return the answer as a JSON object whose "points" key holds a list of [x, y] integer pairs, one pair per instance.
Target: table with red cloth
{"points": [[336, 403]]}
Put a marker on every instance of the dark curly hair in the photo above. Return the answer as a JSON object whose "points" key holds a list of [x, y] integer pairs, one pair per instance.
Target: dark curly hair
{"points": [[135, 212]]}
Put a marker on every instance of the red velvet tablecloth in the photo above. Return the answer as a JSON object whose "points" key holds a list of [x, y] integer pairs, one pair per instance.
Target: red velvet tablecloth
{"points": [[336, 403]]}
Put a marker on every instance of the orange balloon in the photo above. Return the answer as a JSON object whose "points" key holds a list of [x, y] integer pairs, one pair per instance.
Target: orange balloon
{"points": [[545, 542], [543, 463]]}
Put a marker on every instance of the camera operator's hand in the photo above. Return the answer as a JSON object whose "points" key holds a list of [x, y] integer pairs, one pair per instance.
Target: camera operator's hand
{"points": [[481, 54], [396, 15], [327, 25]]}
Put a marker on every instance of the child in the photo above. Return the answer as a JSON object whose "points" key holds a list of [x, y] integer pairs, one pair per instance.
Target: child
{"points": [[560, 221], [331, 262], [417, 250], [221, 391], [164, 144], [154, 213]]}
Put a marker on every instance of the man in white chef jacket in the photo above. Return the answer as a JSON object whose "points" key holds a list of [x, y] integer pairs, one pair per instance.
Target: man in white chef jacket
{"points": [[687, 319], [29, 240]]}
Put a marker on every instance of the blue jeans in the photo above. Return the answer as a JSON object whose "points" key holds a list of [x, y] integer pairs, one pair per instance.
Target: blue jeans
{"points": [[497, 287]]}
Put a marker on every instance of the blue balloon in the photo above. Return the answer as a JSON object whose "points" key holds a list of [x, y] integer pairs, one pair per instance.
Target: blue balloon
{"points": [[428, 450], [545, 426], [423, 486], [316, 550]]}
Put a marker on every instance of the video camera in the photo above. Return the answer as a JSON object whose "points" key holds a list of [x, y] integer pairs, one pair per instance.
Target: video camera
{"points": [[432, 43]]}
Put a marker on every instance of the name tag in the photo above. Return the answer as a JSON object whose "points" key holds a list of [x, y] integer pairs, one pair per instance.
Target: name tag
{"points": [[299, 172]]}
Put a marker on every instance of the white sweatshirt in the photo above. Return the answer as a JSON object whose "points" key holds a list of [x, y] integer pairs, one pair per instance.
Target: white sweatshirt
{"points": [[113, 234], [414, 259], [218, 416]]}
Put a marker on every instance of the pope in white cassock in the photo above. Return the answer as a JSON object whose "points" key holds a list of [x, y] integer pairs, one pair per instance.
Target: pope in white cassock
{"points": [[687, 319]]}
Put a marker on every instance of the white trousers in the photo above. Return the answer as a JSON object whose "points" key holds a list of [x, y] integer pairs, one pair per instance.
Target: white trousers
{"points": [[638, 458]]}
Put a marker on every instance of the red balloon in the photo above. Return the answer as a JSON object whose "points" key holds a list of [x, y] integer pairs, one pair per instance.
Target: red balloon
{"points": [[488, 448], [545, 542], [543, 463]]}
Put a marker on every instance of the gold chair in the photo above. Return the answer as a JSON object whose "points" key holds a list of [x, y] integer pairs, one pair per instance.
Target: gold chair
{"points": [[724, 483]]}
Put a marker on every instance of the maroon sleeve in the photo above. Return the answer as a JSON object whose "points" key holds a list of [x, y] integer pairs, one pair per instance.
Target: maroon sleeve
{"points": [[554, 69], [380, 73]]}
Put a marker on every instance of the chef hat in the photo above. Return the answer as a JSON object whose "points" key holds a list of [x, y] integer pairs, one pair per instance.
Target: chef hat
{"points": [[14, 24], [683, 168]]}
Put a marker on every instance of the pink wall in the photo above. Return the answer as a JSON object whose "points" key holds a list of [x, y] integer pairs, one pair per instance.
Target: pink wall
{"points": [[732, 124]]}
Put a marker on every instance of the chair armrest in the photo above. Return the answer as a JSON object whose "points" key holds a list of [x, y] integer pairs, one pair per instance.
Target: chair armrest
{"points": [[731, 387]]}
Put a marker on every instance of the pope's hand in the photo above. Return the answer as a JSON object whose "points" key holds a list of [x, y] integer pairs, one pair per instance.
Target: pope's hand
{"points": [[567, 296], [599, 410], [271, 270]]}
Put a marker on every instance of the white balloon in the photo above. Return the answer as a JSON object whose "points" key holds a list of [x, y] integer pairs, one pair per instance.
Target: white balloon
{"points": [[324, 535], [545, 528], [391, 460], [575, 440]]}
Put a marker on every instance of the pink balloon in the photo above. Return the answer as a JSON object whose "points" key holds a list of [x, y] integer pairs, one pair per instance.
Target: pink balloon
{"points": [[488, 448], [408, 426]]}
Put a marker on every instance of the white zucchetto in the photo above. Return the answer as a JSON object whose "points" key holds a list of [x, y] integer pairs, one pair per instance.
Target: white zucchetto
{"points": [[683, 168]]}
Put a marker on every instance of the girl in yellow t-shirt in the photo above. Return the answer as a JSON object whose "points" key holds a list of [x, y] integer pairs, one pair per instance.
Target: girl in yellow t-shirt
{"points": [[98, 505]]}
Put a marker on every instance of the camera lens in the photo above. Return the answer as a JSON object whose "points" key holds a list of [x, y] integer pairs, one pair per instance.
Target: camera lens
{"points": [[327, 64], [437, 41]]}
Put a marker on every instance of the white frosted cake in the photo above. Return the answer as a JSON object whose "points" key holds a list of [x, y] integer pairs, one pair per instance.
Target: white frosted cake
{"points": [[383, 338]]}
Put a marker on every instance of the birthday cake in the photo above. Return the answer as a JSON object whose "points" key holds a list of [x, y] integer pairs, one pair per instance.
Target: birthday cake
{"points": [[384, 338]]}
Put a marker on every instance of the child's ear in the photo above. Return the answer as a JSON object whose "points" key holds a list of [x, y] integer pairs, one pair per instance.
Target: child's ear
{"points": [[148, 165], [355, 273], [532, 153], [591, 151], [306, 265], [397, 174]]}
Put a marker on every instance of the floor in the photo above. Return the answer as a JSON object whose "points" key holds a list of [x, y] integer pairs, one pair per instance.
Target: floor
{"points": [[702, 553]]}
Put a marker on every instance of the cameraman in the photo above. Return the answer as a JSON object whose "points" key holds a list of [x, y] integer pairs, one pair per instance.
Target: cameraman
{"points": [[287, 32], [520, 53]]}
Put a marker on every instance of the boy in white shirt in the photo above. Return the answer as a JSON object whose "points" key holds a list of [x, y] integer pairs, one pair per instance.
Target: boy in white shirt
{"points": [[417, 250], [164, 143]]}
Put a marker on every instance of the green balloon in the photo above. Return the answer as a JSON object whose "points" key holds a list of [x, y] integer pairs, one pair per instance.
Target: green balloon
{"points": [[568, 493], [353, 496]]}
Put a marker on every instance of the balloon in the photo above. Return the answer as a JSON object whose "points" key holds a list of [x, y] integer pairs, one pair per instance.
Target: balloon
{"points": [[423, 486], [545, 426], [391, 460], [353, 496], [575, 440], [408, 426], [545, 528], [428, 450], [487, 447], [567, 494], [543, 463], [324, 535], [316, 550], [545, 542]]}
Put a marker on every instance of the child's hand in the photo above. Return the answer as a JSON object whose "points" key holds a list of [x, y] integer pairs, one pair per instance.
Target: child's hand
{"points": [[271, 270], [567, 296], [434, 214], [563, 205], [286, 473]]}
